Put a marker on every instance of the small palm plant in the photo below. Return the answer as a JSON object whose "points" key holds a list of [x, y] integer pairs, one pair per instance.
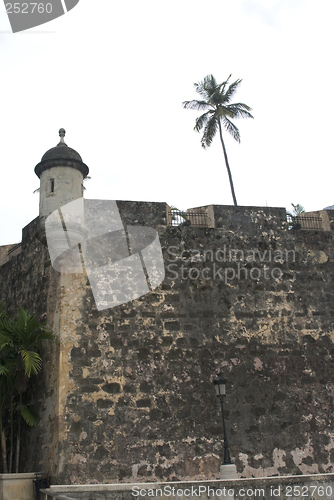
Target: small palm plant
{"points": [[177, 215], [294, 214], [216, 102], [21, 342]]}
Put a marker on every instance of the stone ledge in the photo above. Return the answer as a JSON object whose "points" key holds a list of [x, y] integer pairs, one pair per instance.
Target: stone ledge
{"points": [[18, 486], [19, 475], [72, 488], [275, 487]]}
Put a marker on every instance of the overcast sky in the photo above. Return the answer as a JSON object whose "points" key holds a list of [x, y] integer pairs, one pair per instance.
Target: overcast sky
{"points": [[114, 75]]}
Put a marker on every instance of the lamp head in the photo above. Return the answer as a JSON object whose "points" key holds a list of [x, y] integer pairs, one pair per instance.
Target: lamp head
{"points": [[220, 385]]}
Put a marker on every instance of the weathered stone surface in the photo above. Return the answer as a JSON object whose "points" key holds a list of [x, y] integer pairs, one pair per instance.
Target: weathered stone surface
{"points": [[128, 394]]}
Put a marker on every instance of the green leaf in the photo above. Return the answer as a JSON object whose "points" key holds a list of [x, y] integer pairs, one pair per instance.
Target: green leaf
{"points": [[231, 128], [198, 105], [240, 110], [231, 90], [29, 415], [223, 85], [297, 210], [7, 367], [5, 339], [3, 313], [202, 120], [32, 362], [4, 370], [209, 132]]}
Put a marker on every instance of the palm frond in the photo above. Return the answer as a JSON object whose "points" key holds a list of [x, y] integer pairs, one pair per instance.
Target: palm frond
{"points": [[231, 128], [240, 110], [32, 362], [6, 325], [29, 415], [194, 104], [42, 335], [210, 83], [7, 368], [221, 88], [232, 90], [209, 132], [28, 332], [216, 99], [5, 339], [297, 210], [3, 312], [21, 340], [199, 87], [4, 370], [202, 120], [207, 87], [26, 323]]}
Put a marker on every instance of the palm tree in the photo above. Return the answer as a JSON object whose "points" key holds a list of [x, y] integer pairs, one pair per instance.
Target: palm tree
{"points": [[20, 357], [216, 98], [294, 215], [6, 369], [297, 210]]}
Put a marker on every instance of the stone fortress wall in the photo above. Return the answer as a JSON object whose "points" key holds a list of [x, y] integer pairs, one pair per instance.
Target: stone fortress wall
{"points": [[127, 394]]}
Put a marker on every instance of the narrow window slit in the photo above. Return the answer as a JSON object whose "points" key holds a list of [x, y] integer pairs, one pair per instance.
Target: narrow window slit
{"points": [[52, 185]]}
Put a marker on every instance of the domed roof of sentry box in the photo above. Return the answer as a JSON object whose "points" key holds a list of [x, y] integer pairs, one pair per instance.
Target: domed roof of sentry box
{"points": [[61, 155], [61, 150]]}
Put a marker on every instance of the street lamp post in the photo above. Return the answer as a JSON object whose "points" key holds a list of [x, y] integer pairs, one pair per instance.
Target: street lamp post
{"points": [[228, 469]]}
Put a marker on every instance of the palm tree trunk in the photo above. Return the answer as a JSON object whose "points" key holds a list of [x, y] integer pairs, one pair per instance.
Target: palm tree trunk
{"points": [[3, 449], [11, 434], [3, 440], [18, 439], [227, 164]]}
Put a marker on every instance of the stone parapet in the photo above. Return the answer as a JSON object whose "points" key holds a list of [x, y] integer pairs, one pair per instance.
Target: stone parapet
{"points": [[143, 213], [317, 487], [249, 220], [17, 486], [321, 215]]}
